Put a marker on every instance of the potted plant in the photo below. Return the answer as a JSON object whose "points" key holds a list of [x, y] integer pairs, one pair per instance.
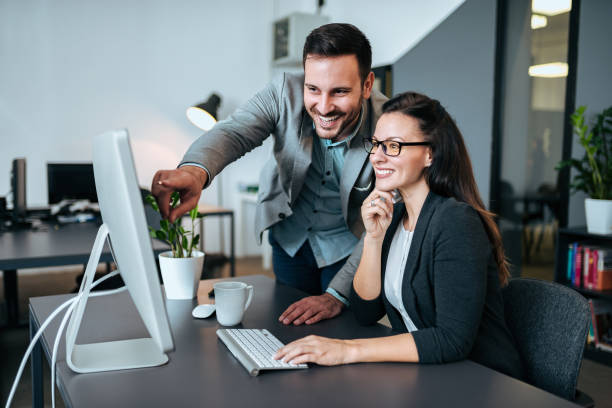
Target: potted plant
{"points": [[181, 267], [594, 170]]}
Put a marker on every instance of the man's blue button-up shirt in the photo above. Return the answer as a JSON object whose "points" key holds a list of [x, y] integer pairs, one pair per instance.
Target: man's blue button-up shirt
{"points": [[317, 212]]}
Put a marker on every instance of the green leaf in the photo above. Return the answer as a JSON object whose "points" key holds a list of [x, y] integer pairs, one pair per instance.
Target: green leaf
{"points": [[185, 243], [171, 235], [195, 241], [193, 213], [174, 199], [592, 172], [152, 202], [164, 224], [161, 235]]}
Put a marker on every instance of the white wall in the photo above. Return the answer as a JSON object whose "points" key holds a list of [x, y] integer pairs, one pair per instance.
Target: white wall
{"points": [[392, 26], [70, 70]]}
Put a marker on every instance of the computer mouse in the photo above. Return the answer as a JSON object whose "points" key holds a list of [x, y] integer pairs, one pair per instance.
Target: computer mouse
{"points": [[203, 311]]}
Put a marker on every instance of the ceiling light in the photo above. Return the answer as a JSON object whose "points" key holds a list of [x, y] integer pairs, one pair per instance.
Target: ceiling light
{"points": [[552, 70], [538, 21], [551, 7]]}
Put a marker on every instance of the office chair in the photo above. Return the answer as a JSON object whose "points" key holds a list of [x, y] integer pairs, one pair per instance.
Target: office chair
{"points": [[550, 324]]}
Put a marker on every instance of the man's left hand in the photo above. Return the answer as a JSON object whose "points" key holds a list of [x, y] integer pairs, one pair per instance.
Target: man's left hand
{"points": [[311, 310]]}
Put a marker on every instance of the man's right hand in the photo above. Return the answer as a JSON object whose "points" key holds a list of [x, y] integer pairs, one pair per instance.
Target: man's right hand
{"points": [[188, 181]]}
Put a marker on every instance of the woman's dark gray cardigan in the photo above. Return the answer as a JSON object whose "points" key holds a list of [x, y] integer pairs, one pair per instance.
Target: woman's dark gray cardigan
{"points": [[450, 289]]}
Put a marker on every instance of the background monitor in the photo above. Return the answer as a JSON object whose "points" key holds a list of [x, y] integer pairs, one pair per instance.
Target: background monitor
{"points": [[71, 181], [18, 187], [124, 222]]}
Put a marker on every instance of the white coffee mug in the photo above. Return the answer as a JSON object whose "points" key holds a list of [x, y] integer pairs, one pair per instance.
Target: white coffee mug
{"points": [[231, 301]]}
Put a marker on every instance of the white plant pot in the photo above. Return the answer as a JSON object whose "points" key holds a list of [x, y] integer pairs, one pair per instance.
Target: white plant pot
{"points": [[181, 275], [598, 216]]}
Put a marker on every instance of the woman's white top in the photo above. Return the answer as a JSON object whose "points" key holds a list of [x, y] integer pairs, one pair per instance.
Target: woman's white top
{"points": [[394, 272]]}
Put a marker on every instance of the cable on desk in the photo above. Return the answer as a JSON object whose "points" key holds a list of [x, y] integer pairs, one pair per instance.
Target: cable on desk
{"points": [[69, 303]]}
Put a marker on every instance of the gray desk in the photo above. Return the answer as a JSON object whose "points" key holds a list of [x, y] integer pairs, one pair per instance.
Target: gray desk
{"points": [[203, 373], [70, 244]]}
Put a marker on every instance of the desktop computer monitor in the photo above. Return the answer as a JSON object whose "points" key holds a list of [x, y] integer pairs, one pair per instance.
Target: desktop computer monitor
{"points": [[71, 181], [123, 217], [18, 187]]}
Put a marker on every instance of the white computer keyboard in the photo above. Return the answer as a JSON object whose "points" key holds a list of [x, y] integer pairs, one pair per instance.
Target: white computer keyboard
{"points": [[254, 349]]}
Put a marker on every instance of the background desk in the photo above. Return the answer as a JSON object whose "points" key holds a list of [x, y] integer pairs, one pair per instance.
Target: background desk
{"points": [[70, 244], [207, 210], [203, 373]]}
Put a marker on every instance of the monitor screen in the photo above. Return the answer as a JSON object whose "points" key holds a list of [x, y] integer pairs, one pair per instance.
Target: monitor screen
{"points": [[71, 181], [124, 221], [18, 186], [123, 213]]}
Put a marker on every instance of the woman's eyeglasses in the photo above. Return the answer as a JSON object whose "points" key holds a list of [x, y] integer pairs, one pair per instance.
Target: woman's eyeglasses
{"points": [[390, 147]]}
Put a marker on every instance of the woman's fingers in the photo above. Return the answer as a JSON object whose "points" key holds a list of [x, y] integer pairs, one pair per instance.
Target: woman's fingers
{"points": [[304, 358], [379, 198], [314, 349], [292, 350], [300, 351], [378, 210]]}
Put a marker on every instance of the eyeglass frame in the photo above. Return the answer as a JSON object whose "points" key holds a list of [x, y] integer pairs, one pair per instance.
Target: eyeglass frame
{"points": [[372, 142]]}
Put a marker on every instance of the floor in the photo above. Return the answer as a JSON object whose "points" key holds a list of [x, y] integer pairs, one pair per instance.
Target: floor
{"points": [[595, 379]]}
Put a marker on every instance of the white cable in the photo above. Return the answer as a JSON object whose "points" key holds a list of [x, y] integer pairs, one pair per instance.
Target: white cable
{"points": [[58, 336], [42, 328]]}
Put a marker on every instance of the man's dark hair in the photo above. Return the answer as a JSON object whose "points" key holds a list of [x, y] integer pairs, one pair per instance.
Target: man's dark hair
{"points": [[334, 40]]}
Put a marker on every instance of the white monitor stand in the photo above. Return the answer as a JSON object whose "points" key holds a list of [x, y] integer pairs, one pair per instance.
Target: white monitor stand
{"points": [[110, 355]]}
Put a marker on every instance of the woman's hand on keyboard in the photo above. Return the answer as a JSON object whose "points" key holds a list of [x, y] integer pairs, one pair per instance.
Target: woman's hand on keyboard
{"points": [[315, 349]]}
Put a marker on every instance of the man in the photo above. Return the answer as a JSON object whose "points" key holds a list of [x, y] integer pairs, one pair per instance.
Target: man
{"points": [[310, 195]]}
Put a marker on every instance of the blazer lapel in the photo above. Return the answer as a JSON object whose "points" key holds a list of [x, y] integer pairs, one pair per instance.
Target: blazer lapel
{"points": [[356, 163], [399, 209], [303, 156], [419, 234], [414, 256]]}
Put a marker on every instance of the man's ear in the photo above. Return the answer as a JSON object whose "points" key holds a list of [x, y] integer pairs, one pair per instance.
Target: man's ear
{"points": [[367, 85]]}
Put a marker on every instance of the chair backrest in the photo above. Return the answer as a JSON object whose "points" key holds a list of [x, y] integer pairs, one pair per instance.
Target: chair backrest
{"points": [[550, 323]]}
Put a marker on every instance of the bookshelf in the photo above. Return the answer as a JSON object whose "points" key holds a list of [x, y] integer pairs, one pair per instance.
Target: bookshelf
{"points": [[565, 237]]}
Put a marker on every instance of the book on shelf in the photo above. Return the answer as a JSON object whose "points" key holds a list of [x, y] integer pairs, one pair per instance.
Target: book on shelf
{"points": [[589, 266], [578, 266], [601, 324]]}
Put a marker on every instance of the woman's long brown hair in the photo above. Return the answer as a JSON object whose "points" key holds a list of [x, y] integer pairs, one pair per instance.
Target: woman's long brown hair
{"points": [[450, 174]]}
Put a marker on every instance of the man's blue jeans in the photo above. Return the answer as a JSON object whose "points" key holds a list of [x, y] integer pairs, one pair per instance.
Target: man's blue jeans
{"points": [[301, 271]]}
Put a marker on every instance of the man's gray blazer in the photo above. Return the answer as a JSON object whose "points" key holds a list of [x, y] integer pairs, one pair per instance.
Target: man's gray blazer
{"points": [[279, 110]]}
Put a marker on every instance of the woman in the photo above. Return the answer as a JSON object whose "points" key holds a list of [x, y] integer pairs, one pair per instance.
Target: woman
{"points": [[434, 262]]}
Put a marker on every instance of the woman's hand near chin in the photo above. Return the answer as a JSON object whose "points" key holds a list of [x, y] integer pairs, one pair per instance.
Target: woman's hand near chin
{"points": [[376, 213]]}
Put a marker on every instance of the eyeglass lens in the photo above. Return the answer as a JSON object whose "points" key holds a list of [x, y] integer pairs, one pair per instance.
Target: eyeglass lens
{"points": [[390, 148]]}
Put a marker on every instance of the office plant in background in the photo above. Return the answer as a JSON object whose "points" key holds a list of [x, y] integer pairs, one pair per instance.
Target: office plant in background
{"points": [[593, 172], [181, 267]]}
